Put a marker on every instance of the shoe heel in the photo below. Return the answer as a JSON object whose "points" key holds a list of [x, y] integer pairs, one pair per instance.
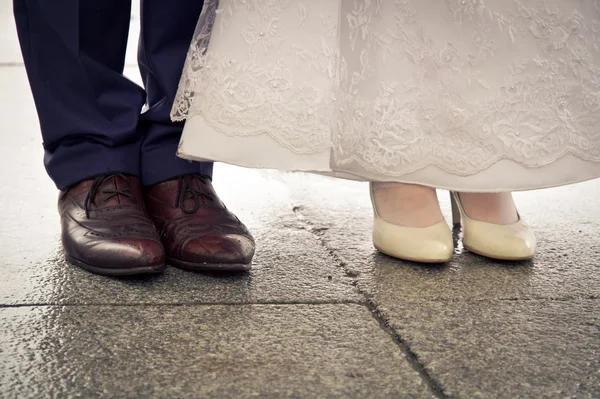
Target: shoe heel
{"points": [[455, 210]]}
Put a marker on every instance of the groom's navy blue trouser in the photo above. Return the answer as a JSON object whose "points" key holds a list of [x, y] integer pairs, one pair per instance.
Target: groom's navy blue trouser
{"points": [[90, 114]]}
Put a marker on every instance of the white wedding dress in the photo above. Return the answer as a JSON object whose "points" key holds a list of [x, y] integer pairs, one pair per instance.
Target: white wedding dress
{"points": [[468, 95]]}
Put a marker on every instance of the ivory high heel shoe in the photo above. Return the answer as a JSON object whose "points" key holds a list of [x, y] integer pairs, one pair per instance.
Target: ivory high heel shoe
{"points": [[504, 242], [431, 244]]}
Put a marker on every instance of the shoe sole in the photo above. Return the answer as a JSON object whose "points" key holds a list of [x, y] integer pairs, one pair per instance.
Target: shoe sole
{"points": [[414, 260], [110, 272], [501, 258], [210, 267]]}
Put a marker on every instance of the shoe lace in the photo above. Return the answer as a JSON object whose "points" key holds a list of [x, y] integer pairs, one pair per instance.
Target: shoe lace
{"points": [[186, 191], [107, 191]]}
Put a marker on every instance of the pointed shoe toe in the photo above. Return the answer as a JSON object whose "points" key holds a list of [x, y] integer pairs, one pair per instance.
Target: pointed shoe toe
{"points": [[431, 244]]}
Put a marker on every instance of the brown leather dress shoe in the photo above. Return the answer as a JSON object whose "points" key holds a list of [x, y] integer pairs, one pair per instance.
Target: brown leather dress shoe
{"points": [[198, 231], [106, 230]]}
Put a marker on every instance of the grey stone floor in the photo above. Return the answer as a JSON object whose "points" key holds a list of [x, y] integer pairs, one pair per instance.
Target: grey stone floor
{"points": [[321, 314]]}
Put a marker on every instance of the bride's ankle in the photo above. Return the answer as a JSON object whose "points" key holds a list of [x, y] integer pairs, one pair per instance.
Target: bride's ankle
{"points": [[497, 208], [407, 204]]}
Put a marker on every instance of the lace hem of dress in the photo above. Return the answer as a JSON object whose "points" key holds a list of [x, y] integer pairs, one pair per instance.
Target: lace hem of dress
{"points": [[545, 106]]}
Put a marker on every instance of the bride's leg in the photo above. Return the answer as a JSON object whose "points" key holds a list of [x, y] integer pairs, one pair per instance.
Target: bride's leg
{"points": [[497, 208], [493, 228], [409, 223], [408, 205]]}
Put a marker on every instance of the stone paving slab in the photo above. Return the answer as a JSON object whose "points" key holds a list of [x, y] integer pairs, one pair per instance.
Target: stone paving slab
{"points": [[482, 329], [566, 221], [267, 351], [505, 349]]}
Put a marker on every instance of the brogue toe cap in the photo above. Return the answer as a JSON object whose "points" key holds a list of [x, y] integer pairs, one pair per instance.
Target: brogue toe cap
{"points": [[218, 249]]}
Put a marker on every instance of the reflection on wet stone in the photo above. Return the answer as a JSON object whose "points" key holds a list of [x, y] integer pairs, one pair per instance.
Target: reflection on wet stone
{"points": [[215, 351]]}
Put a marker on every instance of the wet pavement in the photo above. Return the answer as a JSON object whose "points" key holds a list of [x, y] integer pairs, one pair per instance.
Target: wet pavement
{"points": [[320, 315]]}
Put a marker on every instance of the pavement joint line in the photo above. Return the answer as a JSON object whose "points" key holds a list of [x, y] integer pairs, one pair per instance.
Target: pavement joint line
{"points": [[175, 304], [413, 359], [366, 302], [483, 300]]}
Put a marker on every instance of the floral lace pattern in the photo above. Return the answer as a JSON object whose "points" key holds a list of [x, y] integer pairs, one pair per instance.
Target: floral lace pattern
{"points": [[398, 85]]}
